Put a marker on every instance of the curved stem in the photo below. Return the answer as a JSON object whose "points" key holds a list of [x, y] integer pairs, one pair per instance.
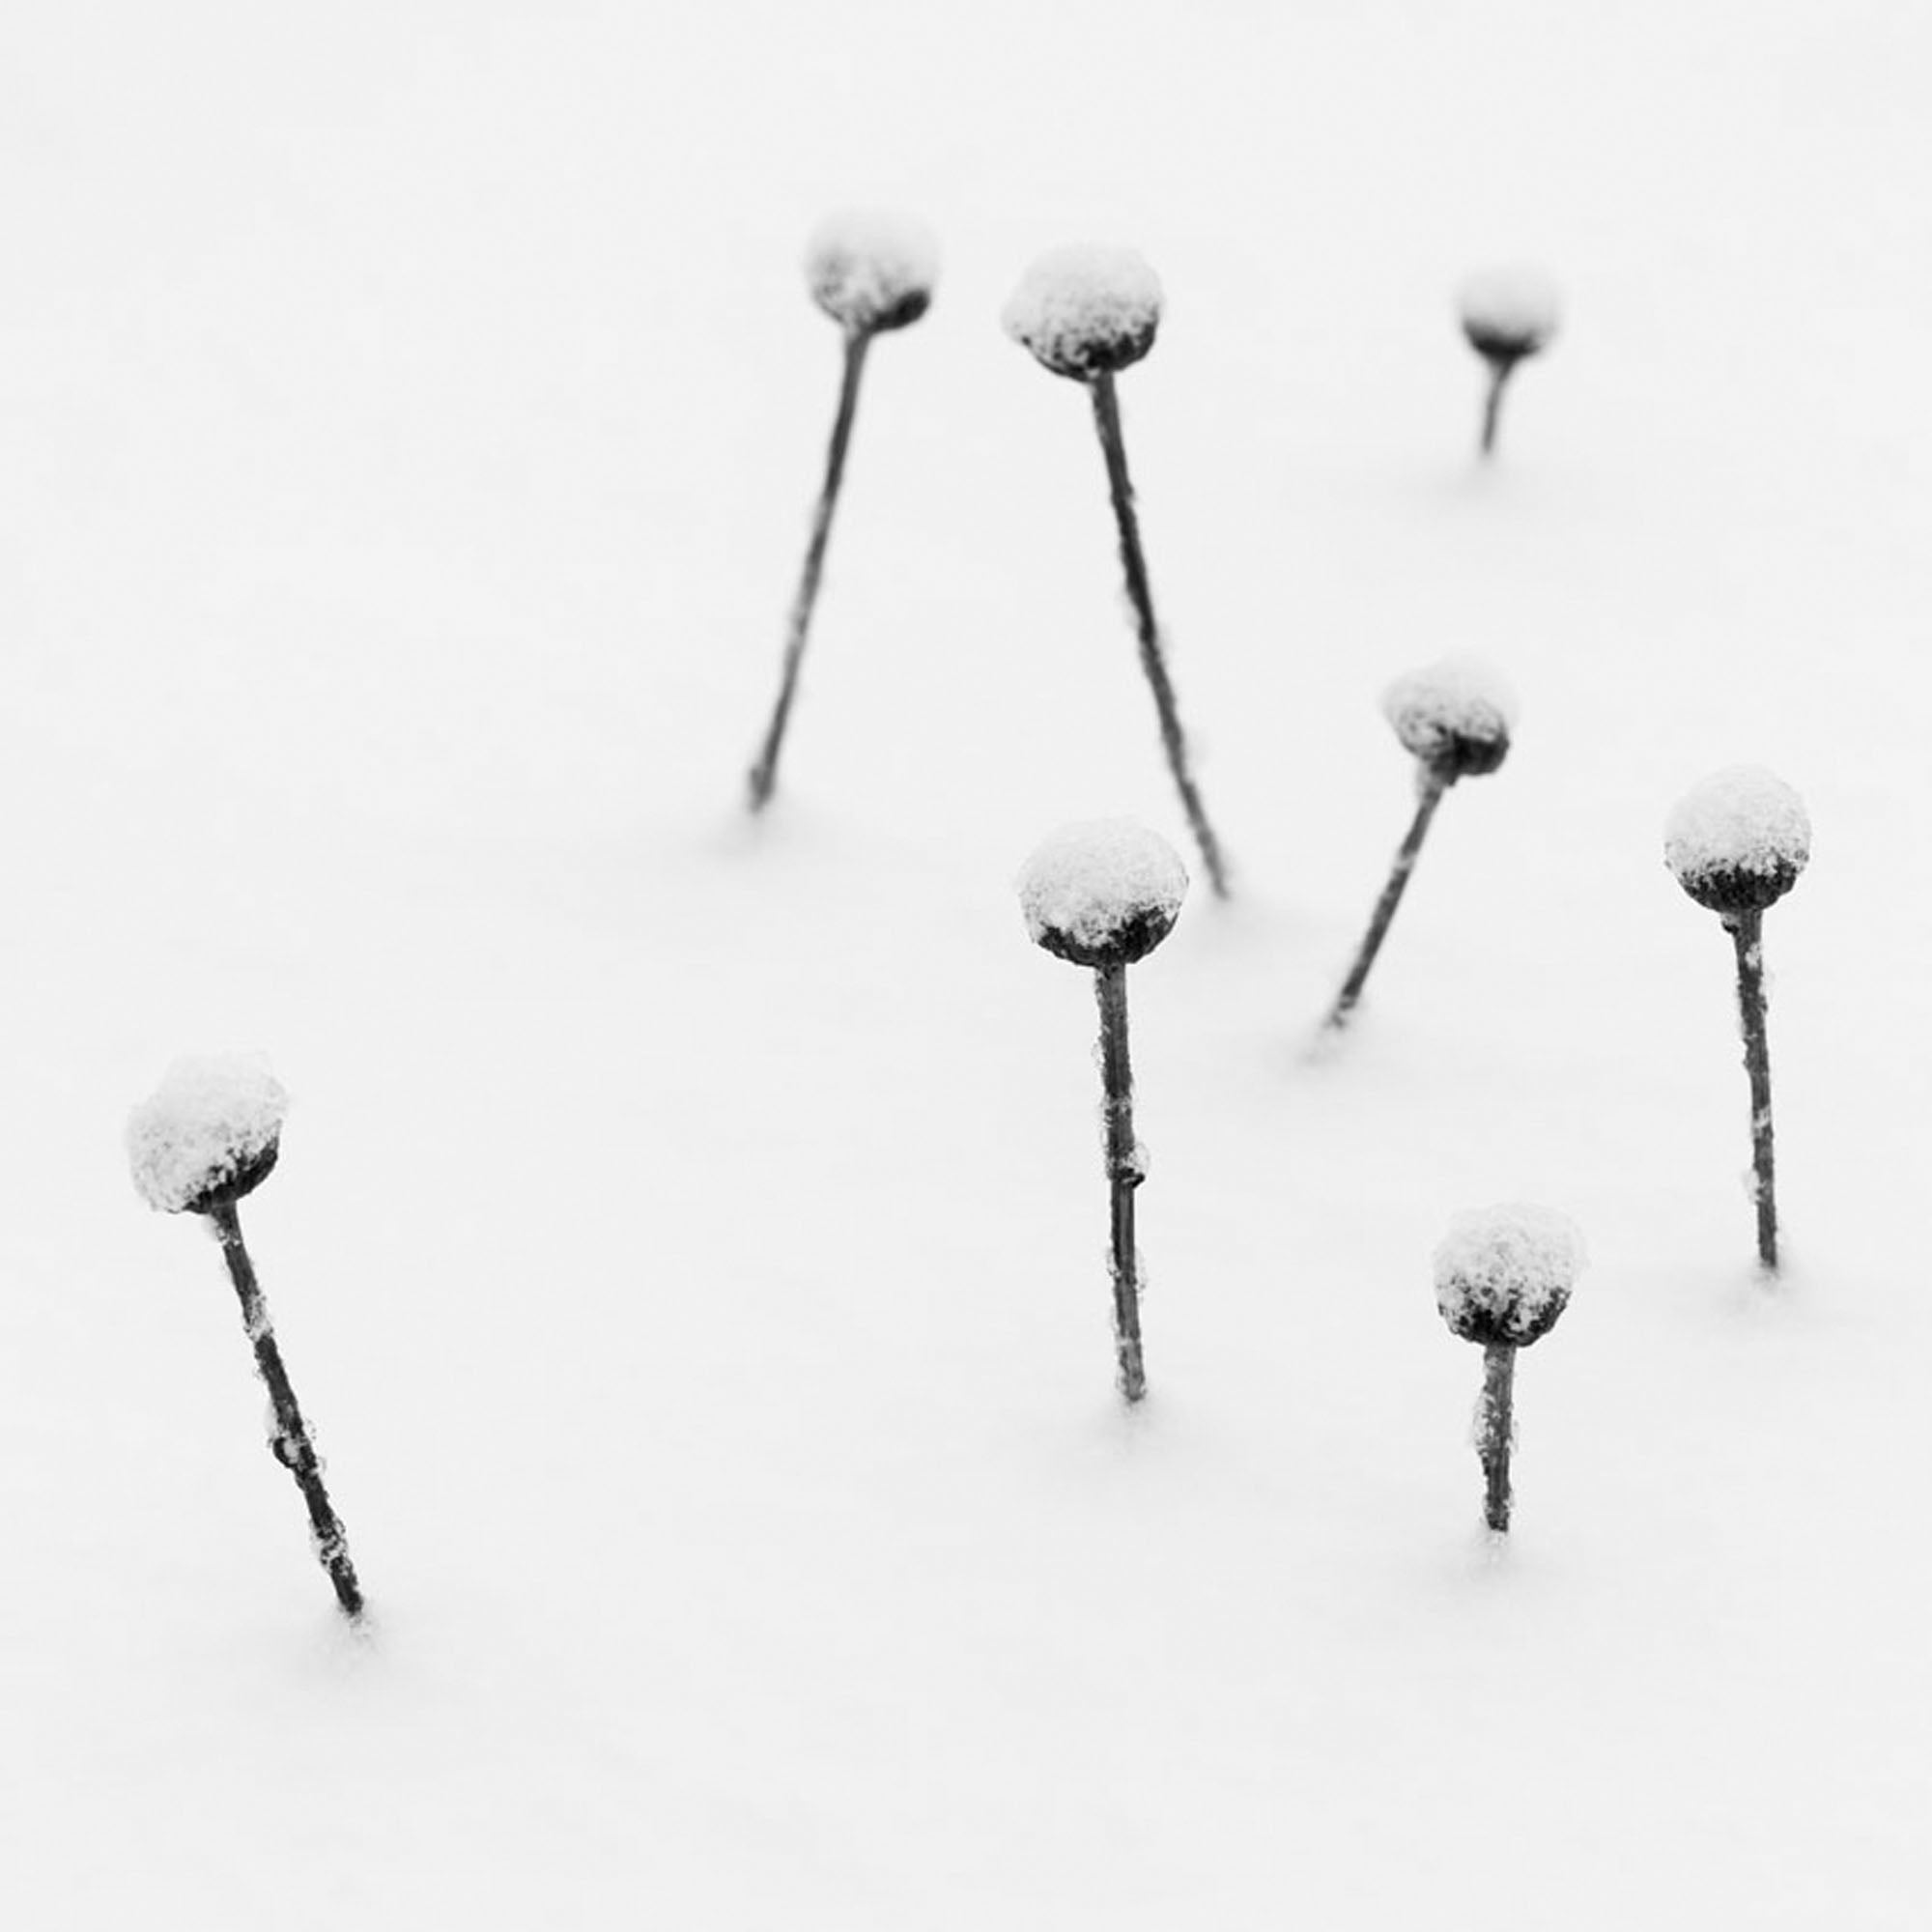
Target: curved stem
{"points": [[1123, 1176], [1107, 421], [763, 776], [291, 1445], [1746, 930], [1497, 1431], [1430, 787]]}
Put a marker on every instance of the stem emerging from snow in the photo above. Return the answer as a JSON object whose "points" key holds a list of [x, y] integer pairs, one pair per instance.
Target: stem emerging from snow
{"points": [[1746, 930], [1107, 419], [1123, 1176], [1430, 784], [1496, 1428], [763, 777], [291, 1444]]}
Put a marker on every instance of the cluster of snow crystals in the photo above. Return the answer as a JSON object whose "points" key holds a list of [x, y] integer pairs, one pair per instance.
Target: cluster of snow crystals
{"points": [[1087, 882], [1085, 308], [209, 1118], [1458, 697], [1513, 305], [1741, 819], [1505, 1273], [870, 268]]}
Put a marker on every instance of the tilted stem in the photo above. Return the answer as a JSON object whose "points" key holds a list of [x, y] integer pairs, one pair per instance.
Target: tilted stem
{"points": [[1123, 1176], [1747, 929], [1430, 787], [291, 1444], [1499, 1423], [1107, 419], [1501, 368], [763, 776]]}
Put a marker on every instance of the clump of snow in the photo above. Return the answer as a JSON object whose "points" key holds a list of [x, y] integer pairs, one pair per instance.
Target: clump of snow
{"points": [[1102, 893], [1510, 311], [1739, 839], [1085, 309], [871, 269], [1504, 1274], [1455, 714], [213, 1124]]}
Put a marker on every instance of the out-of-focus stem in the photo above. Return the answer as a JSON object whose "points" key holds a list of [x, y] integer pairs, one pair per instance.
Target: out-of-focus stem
{"points": [[1133, 560], [1123, 1177], [291, 1444], [1501, 368], [1430, 787], [763, 776]]}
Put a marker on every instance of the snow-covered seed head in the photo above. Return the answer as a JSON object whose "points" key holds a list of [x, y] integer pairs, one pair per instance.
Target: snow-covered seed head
{"points": [[1103, 893], [1086, 310], [1504, 1274], [872, 269], [1738, 841], [1454, 715], [1509, 312], [209, 1133]]}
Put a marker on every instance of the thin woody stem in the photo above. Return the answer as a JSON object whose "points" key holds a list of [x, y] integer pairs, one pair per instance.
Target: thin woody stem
{"points": [[1496, 1429], [1123, 1177], [1501, 368], [1747, 929], [291, 1444], [1430, 784], [1107, 419], [763, 775]]}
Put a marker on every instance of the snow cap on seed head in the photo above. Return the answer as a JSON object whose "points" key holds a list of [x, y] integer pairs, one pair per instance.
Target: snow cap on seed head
{"points": [[1504, 1274], [1455, 714], [1085, 309], [1510, 311], [209, 1132], [1738, 841], [1104, 892], [870, 268]]}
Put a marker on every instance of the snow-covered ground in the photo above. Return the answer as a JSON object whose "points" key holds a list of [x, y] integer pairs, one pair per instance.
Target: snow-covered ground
{"points": [[689, 1233]]}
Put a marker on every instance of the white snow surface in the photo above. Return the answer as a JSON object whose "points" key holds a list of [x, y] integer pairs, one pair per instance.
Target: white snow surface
{"points": [[210, 1115], [1743, 818], [1459, 695], [1516, 300], [1512, 1260], [1081, 294], [693, 1262], [861, 263], [1091, 879]]}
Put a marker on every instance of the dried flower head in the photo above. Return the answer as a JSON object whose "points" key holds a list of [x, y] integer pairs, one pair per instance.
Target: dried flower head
{"points": [[1084, 310], [872, 269], [1738, 841], [1455, 714], [1504, 1274], [1103, 893], [209, 1132]]}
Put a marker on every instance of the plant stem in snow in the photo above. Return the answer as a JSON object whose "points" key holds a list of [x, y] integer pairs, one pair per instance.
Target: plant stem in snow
{"points": [[1746, 930], [1431, 783], [291, 1444], [763, 777], [1501, 368], [1107, 419], [1123, 1176], [1496, 1428]]}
